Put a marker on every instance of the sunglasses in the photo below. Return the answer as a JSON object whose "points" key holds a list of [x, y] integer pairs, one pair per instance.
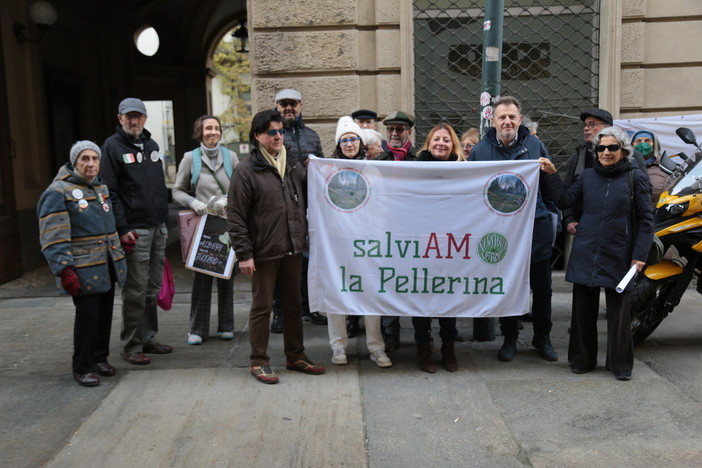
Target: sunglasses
{"points": [[611, 148], [285, 104], [272, 132], [346, 141]]}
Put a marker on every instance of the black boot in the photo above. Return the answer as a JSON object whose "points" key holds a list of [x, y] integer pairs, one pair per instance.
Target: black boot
{"points": [[277, 323], [314, 317], [424, 358], [542, 342], [508, 349], [352, 326]]}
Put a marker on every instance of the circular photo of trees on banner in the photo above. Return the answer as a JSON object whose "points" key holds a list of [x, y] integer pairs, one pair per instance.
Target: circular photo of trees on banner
{"points": [[348, 190], [506, 193]]}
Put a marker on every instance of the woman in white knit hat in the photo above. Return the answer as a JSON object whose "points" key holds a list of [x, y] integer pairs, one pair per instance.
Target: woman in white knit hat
{"points": [[350, 142], [350, 145]]}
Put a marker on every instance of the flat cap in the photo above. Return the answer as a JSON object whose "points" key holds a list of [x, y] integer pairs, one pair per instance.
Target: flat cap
{"points": [[399, 117], [601, 114], [288, 94], [132, 104], [364, 114]]}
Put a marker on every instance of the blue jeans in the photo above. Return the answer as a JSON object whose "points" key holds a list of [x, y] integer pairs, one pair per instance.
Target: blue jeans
{"points": [[144, 275]]}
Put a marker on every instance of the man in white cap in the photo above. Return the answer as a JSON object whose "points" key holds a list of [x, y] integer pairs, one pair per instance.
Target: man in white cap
{"points": [[133, 171], [301, 142], [299, 138]]}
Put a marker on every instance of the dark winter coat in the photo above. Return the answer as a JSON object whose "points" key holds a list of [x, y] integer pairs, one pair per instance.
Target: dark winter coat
{"points": [[266, 215], [581, 160], [427, 156], [136, 181], [527, 147], [301, 141], [604, 244], [77, 229]]}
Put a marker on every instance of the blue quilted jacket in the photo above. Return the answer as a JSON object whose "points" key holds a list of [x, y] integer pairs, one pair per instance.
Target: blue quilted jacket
{"points": [[77, 228]]}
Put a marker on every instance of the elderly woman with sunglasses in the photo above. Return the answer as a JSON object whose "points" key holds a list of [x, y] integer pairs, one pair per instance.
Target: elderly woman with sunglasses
{"points": [[614, 234]]}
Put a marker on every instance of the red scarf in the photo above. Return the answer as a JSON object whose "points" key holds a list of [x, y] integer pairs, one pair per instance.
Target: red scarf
{"points": [[399, 154]]}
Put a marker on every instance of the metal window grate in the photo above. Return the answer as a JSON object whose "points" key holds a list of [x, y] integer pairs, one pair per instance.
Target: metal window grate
{"points": [[549, 61]]}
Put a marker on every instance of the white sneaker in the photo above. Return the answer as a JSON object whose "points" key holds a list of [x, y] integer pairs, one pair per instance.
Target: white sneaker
{"points": [[194, 339], [226, 335], [339, 357], [379, 357]]}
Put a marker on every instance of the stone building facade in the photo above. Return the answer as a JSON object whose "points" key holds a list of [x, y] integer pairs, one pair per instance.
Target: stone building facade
{"points": [[341, 56]]}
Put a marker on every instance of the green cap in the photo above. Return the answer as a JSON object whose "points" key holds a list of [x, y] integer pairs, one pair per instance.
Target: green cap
{"points": [[399, 117]]}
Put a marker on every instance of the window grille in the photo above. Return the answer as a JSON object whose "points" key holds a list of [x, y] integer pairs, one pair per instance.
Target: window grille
{"points": [[549, 62]]}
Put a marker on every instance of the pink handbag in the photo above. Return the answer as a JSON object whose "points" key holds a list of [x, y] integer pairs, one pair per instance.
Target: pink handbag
{"points": [[167, 291]]}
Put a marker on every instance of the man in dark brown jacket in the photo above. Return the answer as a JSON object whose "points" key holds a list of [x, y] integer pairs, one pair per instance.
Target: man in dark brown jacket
{"points": [[268, 229]]}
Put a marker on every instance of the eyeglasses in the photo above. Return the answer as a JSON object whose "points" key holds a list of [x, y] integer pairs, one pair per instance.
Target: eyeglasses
{"points": [[611, 148], [397, 130], [272, 132], [347, 141], [592, 125], [286, 103], [468, 146]]}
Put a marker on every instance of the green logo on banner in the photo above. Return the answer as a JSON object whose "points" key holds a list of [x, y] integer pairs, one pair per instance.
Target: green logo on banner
{"points": [[492, 248]]}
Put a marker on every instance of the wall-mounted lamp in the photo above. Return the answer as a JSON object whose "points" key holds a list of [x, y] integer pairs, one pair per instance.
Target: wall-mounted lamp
{"points": [[242, 34], [43, 14]]}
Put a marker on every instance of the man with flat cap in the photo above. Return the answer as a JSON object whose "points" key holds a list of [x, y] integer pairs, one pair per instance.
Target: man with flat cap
{"points": [[300, 140], [365, 118], [397, 146], [594, 120], [132, 169]]}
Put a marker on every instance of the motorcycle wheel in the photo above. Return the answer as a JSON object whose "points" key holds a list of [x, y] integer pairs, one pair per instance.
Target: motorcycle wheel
{"points": [[647, 306]]}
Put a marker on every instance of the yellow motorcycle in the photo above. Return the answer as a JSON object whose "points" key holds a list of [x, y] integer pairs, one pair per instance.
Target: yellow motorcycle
{"points": [[678, 224]]}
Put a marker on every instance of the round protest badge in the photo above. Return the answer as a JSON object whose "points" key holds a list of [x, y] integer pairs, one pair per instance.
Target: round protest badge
{"points": [[155, 157], [83, 204], [140, 157], [106, 207], [77, 194]]}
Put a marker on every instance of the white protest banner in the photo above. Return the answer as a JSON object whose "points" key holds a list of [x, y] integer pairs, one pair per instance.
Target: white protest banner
{"points": [[435, 239]]}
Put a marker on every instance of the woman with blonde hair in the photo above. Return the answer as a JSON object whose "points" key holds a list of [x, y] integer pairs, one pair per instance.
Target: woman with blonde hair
{"points": [[441, 145], [469, 139]]}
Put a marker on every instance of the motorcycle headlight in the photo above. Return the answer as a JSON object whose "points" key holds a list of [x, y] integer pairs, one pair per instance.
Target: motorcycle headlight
{"points": [[674, 209]]}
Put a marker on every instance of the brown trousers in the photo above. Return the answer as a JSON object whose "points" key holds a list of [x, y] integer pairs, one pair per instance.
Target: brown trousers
{"points": [[286, 272]]}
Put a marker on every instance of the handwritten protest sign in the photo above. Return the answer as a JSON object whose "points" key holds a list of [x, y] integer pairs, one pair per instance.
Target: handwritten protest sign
{"points": [[210, 250]]}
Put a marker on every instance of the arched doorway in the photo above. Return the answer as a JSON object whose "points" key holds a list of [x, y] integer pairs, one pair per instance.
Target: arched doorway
{"points": [[67, 85]]}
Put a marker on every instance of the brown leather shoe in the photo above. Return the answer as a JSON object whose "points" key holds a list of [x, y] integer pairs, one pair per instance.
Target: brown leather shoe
{"points": [[448, 356], [136, 358], [157, 348], [105, 369], [86, 380]]}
